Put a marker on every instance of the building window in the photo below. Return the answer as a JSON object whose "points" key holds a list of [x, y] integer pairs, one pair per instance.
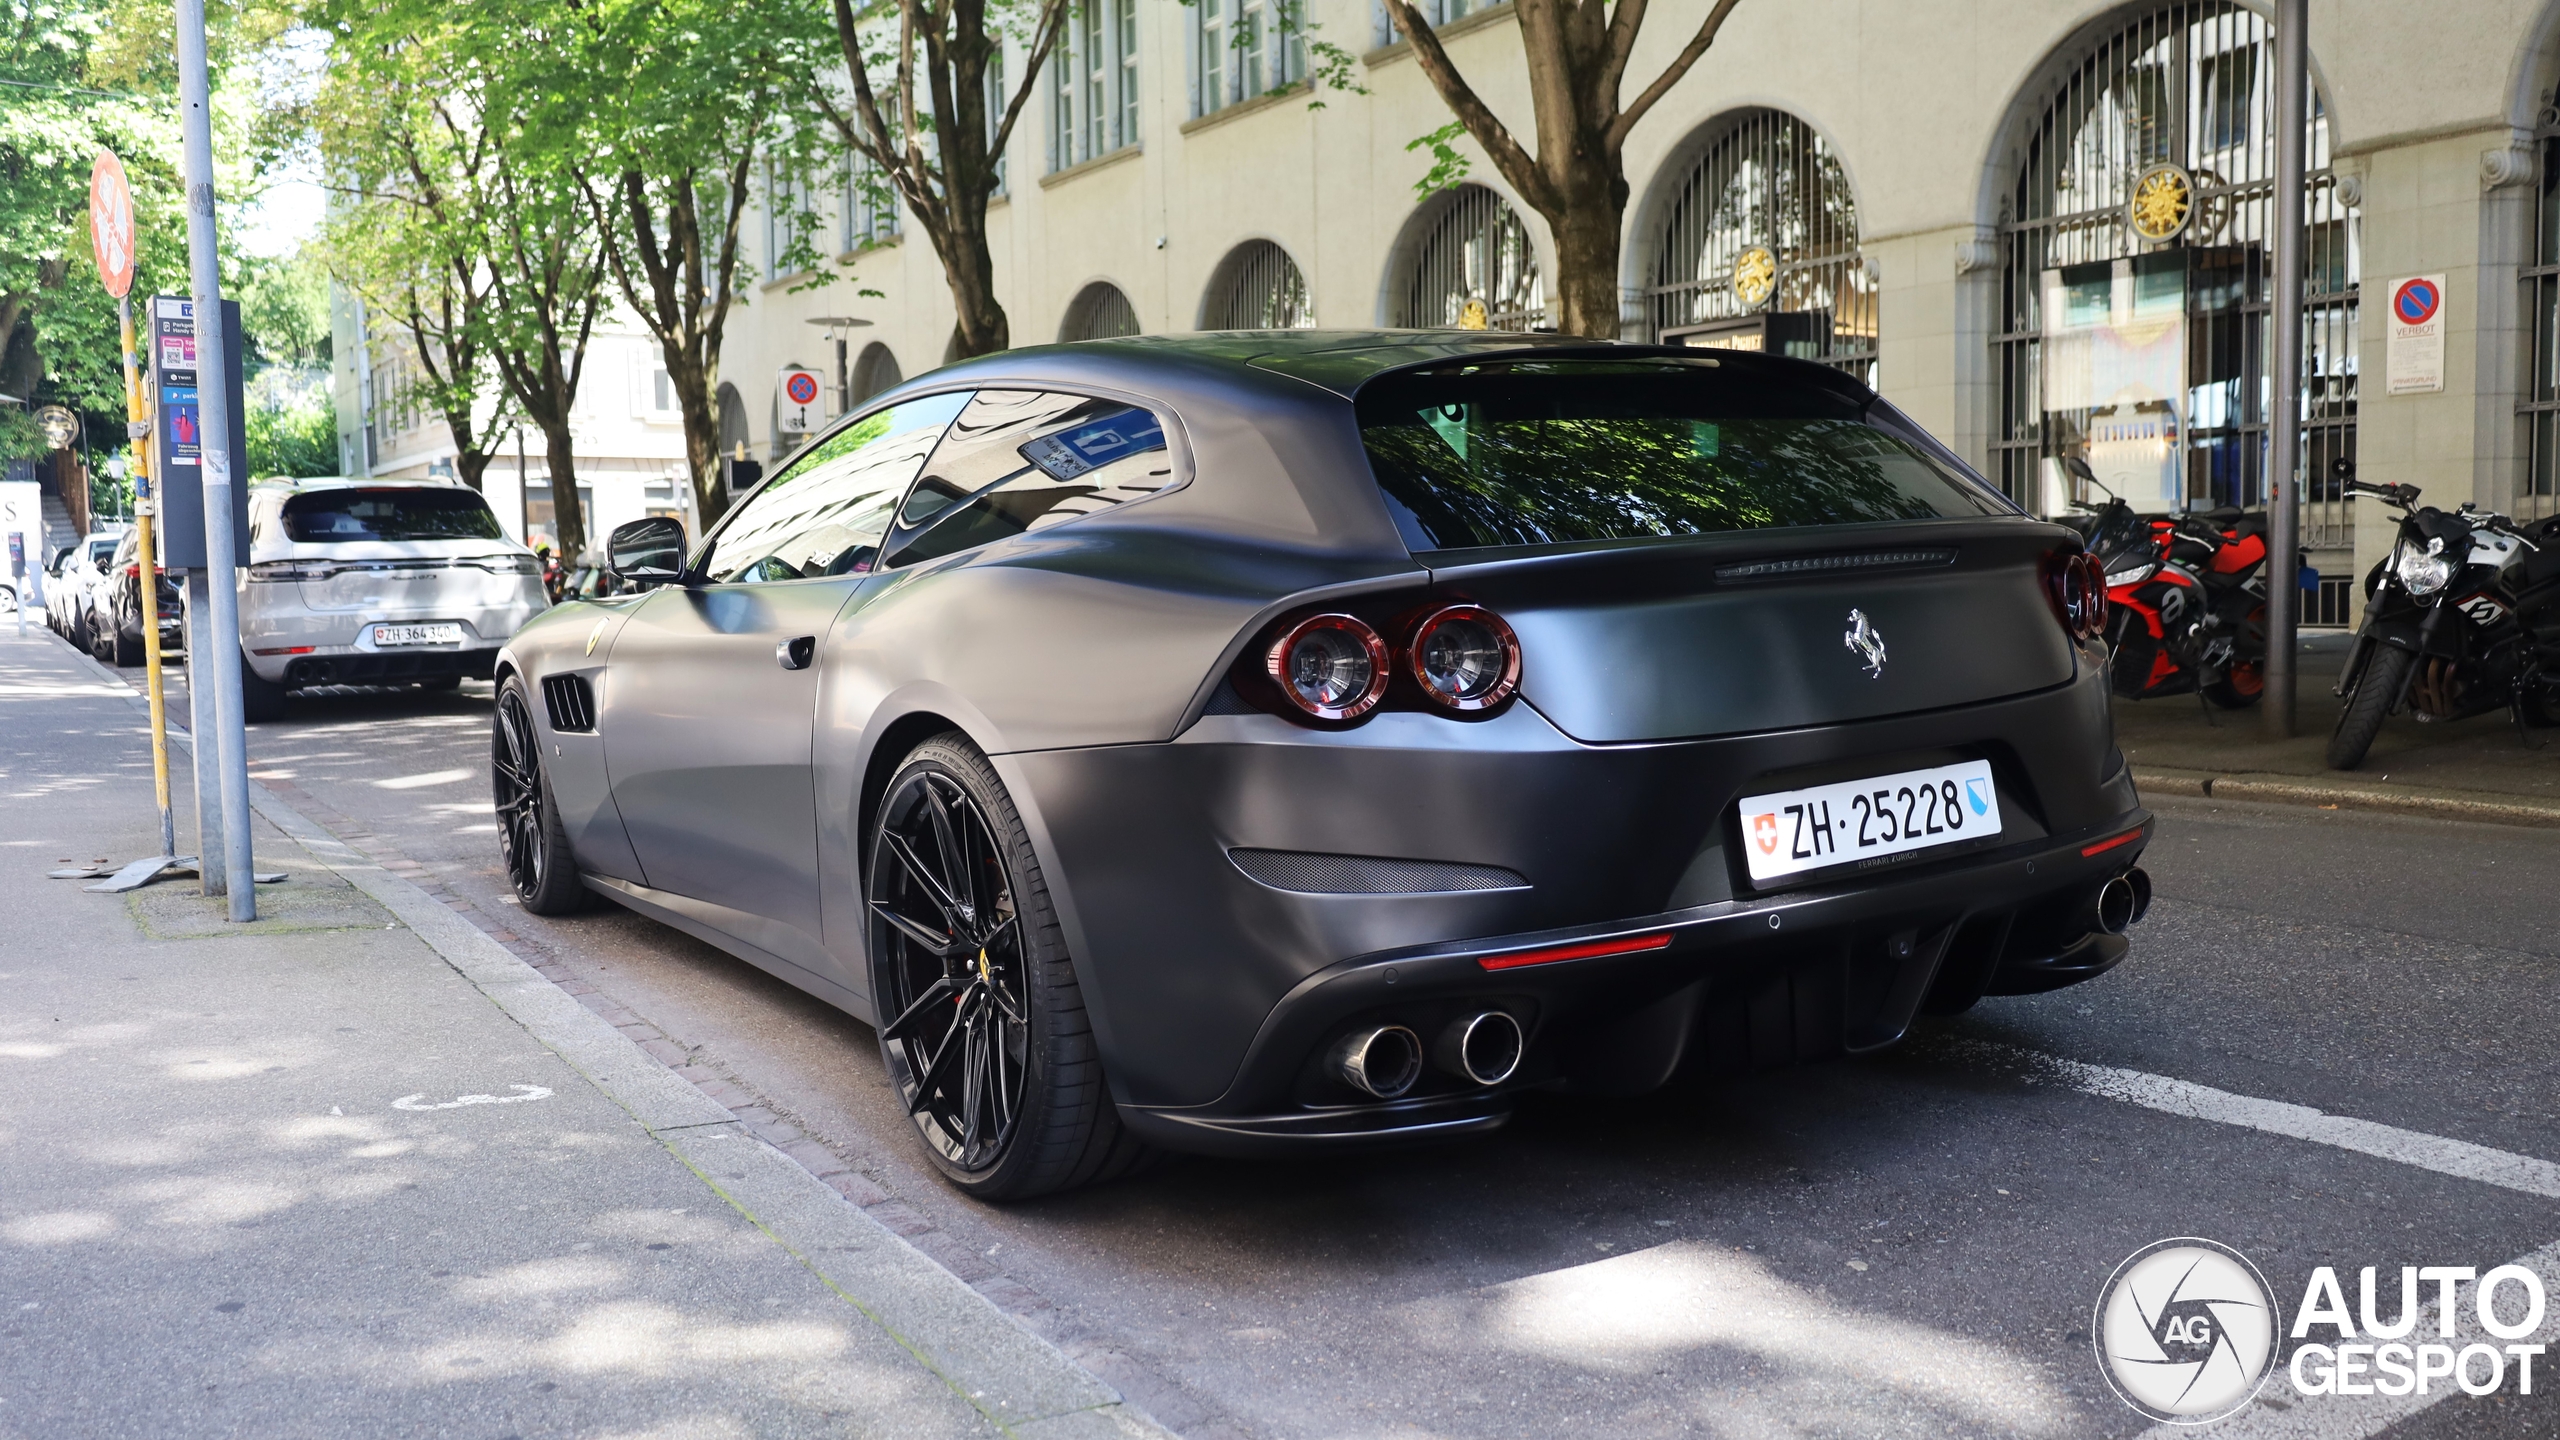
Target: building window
{"points": [[870, 206], [1759, 250], [788, 226], [1093, 77], [2538, 493], [1437, 12], [996, 99], [1257, 287], [2146, 358], [1099, 312], [1474, 268], [876, 370], [1244, 48]]}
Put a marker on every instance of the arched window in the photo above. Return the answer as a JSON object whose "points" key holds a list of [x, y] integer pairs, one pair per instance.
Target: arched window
{"points": [[1257, 287], [1474, 268], [874, 371], [2135, 248], [1759, 249], [1099, 312], [734, 436], [2538, 492]]}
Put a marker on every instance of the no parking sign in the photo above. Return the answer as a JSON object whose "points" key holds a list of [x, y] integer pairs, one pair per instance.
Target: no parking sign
{"points": [[2413, 326], [796, 401]]}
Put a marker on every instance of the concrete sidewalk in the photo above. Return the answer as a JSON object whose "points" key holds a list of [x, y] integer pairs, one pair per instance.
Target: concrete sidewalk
{"points": [[355, 1170], [2475, 769]]}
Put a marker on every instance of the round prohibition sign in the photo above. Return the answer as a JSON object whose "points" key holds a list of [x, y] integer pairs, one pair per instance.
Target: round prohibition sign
{"points": [[2416, 302], [802, 388]]}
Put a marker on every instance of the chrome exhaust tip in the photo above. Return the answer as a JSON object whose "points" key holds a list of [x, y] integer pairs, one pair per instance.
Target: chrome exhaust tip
{"points": [[1483, 1048], [1383, 1061], [2141, 884], [2115, 906]]}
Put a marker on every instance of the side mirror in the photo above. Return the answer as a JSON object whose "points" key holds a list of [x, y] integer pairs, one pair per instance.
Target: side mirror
{"points": [[645, 553]]}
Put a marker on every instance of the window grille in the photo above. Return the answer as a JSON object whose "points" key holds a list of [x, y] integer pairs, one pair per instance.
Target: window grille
{"points": [[1258, 287], [1099, 312], [2190, 85], [2538, 489], [1475, 269], [1760, 250]]}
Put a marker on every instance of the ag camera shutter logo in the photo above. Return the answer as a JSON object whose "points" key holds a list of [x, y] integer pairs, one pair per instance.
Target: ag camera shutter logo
{"points": [[2186, 1330]]}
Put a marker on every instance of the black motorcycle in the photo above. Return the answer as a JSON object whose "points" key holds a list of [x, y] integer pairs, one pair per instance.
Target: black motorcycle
{"points": [[2462, 618]]}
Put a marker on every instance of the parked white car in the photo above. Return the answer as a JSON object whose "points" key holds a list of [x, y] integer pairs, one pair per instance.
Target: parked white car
{"points": [[376, 582], [79, 573]]}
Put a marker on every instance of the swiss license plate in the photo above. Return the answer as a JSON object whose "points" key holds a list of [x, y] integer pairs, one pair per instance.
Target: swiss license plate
{"points": [[1876, 820], [417, 634]]}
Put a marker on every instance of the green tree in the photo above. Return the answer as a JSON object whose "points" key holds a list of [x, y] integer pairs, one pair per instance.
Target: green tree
{"points": [[1577, 53], [939, 137]]}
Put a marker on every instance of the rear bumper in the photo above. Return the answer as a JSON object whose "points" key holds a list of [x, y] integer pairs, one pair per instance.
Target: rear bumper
{"points": [[373, 667], [1735, 986]]}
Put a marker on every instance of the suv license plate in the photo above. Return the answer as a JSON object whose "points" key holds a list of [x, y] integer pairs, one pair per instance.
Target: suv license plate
{"points": [[417, 634], [1890, 816]]}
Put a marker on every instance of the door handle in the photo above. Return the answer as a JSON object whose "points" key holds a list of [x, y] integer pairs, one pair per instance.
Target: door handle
{"points": [[795, 654]]}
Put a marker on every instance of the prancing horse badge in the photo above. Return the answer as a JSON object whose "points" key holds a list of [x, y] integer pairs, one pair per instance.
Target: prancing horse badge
{"points": [[1862, 638]]}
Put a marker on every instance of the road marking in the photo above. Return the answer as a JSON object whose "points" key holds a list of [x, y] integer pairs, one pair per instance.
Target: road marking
{"points": [[2458, 1158], [418, 1102]]}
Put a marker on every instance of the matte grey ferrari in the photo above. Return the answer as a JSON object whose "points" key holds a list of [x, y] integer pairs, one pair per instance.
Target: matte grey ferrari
{"points": [[1254, 742]]}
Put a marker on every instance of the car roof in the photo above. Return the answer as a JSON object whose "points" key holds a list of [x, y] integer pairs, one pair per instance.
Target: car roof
{"points": [[294, 485], [1343, 360]]}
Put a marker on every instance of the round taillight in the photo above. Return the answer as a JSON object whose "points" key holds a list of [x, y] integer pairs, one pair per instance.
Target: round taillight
{"points": [[1333, 667], [1465, 658], [2092, 617]]}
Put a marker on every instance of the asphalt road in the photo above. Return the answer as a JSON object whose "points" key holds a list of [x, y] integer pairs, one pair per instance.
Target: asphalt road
{"points": [[1907, 1244]]}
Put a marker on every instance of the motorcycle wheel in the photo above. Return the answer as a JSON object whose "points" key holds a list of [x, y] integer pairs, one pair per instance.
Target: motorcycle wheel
{"points": [[2384, 677], [2240, 687]]}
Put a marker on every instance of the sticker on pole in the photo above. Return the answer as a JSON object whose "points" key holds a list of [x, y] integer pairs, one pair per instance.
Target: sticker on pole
{"points": [[2413, 326], [796, 410], [111, 231]]}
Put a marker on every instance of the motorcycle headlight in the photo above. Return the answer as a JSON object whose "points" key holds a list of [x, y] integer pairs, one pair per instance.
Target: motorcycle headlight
{"points": [[2133, 574], [2423, 574]]}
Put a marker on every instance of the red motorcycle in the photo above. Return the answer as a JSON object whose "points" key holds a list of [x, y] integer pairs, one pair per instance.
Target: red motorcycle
{"points": [[2187, 602]]}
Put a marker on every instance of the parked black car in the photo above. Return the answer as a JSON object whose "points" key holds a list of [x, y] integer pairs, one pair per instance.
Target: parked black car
{"points": [[1259, 741], [115, 630]]}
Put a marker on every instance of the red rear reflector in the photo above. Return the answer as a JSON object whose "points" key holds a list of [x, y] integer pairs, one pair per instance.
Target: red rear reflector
{"points": [[2105, 845], [292, 650], [1588, 951]]}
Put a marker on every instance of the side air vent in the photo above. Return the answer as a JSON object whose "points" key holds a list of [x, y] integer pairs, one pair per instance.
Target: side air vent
{"points": [[1310, 873], [571, 702], [1803, 566]]}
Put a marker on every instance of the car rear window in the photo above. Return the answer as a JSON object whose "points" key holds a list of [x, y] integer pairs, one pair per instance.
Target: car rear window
{"points": [[1557, 452], [318, 517]]}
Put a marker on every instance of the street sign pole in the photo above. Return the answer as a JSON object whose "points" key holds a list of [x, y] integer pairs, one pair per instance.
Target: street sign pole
{"points": [[2284, 448], [222, 632], [147, 554]]}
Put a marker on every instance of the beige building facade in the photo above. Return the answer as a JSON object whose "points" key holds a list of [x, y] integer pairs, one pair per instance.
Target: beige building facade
{"points": [[1938, 196]]}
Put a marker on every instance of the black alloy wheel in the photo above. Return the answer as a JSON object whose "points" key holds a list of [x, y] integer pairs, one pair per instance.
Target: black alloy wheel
{"points": [[531, 841], [983, 1028]]}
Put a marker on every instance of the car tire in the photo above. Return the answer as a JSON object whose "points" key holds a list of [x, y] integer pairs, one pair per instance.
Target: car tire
{"points": [[127, 652], [2377, 690], [963, 1034], [532, 844], [261, 699]]}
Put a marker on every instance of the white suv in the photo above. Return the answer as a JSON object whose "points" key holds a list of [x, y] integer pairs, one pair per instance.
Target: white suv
{"points": [[376, 582]]}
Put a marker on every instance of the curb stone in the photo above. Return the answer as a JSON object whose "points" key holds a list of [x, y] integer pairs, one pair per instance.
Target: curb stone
{"points": [[872, 1252], [2288, 790]]}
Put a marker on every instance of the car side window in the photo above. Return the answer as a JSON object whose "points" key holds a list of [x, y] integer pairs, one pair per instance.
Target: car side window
{"points": [[827, 512], [1021, 460]]}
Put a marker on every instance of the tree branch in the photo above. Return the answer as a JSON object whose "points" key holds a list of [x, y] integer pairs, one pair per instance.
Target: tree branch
{"points": [[1616, 135], [1515, 163]]}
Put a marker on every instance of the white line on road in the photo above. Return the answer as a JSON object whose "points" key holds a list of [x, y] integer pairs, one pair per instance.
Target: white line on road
{"points": [[2458, 1158], [419, 1102]]}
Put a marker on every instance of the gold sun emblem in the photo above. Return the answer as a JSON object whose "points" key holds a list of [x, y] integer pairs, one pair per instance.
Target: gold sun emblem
{"points": [[2163, 201], [1473, 315], [1755, 275]]}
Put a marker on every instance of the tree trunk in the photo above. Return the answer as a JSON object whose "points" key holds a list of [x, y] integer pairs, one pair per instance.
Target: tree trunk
{"points": [[1587, 239], [568, 518], [470, 465], [702, 449], [970, 267]]}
